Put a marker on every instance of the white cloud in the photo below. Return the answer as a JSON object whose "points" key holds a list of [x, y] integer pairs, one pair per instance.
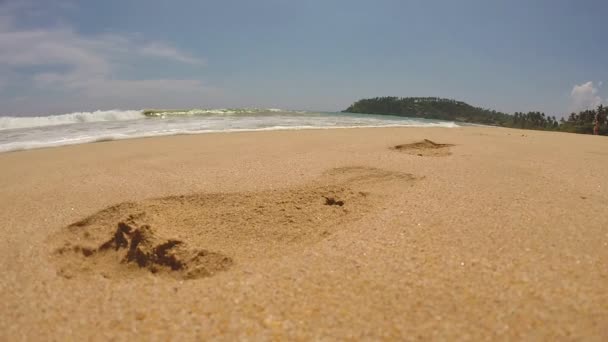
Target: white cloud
{"points": [[584, 96], [89, 68], [63, 47], [165, 51], [50, 48]]}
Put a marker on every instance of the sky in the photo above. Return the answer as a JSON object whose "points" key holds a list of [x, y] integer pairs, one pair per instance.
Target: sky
{"points": [[60, 56]]}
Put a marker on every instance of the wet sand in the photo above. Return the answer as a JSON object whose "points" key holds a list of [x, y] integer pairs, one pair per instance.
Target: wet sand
{"points": [[474, 233]]}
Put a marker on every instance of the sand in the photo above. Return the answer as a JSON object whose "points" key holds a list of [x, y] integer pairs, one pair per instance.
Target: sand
{"points": [[477, 233]]}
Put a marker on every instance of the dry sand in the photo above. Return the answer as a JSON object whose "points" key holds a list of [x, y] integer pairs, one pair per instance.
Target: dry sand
{"points": [[318, 234]]}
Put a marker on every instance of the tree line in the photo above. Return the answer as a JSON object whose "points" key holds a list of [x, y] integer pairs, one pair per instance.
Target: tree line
{"points": [[452, 110]]}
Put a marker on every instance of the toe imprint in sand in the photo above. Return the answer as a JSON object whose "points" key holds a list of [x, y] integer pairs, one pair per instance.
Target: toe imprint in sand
{"points": [[201, 235], [140, 246], [425, 148]]}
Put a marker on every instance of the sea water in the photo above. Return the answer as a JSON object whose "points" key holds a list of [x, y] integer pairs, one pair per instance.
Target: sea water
{"points": [[22, 133]]}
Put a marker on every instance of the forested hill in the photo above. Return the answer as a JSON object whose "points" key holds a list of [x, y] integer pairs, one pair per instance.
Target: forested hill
{"points": [[429, 108], [452, 110]]}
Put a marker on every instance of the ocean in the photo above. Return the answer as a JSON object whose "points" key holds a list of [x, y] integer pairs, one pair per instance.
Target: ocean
{"points": [[23, 133]]}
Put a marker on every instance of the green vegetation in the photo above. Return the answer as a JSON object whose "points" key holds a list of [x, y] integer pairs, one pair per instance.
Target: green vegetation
{"points": [[452, 110], [583, 121]]}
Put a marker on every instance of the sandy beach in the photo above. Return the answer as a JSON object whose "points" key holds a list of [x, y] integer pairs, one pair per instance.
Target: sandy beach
{"points": [[370, 233]]}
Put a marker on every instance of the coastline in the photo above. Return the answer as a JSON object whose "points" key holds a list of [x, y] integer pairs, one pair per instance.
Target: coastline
{"points": [[86, 127], [110, 137], [501, 236]]}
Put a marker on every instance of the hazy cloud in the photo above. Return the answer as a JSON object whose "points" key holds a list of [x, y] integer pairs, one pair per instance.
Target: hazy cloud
{"points": [[585, 96], [58, 59], [163, 50], [5, 22], [64, 48]]}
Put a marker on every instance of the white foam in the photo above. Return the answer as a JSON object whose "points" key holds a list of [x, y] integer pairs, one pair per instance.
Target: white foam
{"points": [[215, 111], [12, 122], [39, 132]]}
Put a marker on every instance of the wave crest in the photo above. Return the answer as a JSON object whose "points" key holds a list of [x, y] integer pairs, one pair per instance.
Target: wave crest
{"points": [[212, 111], [12, 122]]}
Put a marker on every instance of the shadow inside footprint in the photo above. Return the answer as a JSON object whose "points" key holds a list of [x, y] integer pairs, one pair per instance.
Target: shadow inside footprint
{"points": [[333, 201]]}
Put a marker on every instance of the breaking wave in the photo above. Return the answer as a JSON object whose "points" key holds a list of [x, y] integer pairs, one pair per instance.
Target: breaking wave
{"points": [[11, 122], [213, 111], [24, 133]]}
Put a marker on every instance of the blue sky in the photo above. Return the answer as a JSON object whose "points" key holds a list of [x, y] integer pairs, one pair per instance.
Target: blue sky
{"points": [[63, 56]]}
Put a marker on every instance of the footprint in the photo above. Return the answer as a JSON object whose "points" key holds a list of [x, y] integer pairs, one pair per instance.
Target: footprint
{"points": [[201, 235], [425, 148]]}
